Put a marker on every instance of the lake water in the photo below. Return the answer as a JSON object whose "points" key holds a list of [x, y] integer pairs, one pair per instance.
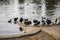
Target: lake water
{"points": [[29, 10]]}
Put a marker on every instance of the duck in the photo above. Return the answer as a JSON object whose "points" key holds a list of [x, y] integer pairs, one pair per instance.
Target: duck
{"points": [[20, 28], [10, 21], [37, 23], [48, 21], [15, 20], [21, 19], [27, 22]]}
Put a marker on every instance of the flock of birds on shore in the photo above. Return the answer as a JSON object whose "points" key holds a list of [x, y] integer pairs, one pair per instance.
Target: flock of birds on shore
{"points": [[36, 22]]}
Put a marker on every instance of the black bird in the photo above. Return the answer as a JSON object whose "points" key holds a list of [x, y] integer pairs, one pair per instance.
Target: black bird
{"points": [[10, 21], [48, 21], [37, 23], [21, 19], [21, 29], [15, 20]]}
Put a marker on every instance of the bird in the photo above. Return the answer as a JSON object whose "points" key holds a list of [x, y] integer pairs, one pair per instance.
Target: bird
{"points": [[25, 19], [43, 22], [37, 23], [21, 19], [26, 22], [43, 18], [29, 22], [10, 21], [20, 28], [15, 20], [48, 21]]}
